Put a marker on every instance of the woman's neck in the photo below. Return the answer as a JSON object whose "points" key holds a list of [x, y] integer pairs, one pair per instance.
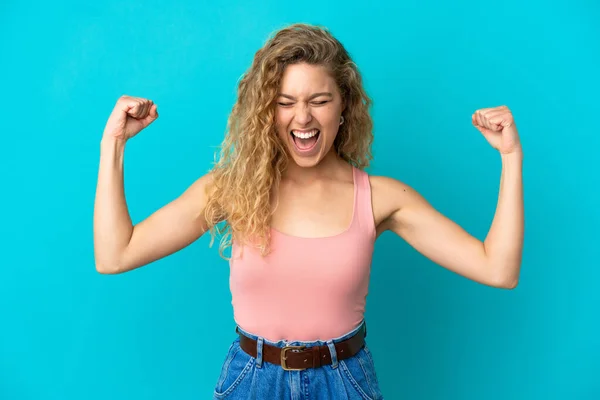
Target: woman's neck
{"points": [[331, 166]]}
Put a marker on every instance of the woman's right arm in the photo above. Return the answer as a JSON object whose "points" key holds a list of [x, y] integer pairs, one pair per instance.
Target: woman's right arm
{"points": [[118, 245]]}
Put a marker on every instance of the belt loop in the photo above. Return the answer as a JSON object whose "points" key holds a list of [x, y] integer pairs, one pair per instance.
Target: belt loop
{"points": [[333, 352], [259, 352]]}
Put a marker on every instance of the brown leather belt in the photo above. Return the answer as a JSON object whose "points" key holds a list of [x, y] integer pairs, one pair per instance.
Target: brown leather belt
{"points": [[297, 358]]}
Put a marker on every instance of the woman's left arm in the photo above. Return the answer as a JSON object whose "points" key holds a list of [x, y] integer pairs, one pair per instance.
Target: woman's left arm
{"points": [[497, 260]]}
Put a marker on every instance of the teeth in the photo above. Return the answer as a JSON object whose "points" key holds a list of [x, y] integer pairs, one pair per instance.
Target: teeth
{"points": [[305, 135]]}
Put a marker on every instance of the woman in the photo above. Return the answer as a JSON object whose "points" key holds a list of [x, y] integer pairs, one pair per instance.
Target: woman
{"points": [[301, 216]]}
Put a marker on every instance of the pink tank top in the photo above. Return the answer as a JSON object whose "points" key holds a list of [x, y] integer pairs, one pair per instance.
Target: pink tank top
{"points": [[307, 288]]}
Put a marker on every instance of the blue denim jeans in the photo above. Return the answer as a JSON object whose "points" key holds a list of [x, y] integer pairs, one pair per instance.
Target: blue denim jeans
{"points": [[245, 377]]}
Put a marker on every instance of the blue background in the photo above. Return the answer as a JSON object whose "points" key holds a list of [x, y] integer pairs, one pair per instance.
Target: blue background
{"points": [[162, 331]]}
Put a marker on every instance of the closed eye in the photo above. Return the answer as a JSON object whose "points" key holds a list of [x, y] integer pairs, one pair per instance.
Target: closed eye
{"points": [[317, 103]]}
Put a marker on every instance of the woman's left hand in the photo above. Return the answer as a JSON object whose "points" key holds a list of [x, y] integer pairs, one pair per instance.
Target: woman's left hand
{"points": [[498, 127]]}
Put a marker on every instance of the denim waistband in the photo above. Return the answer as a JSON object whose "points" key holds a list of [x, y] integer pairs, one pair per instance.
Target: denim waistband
{"points": [[283, 343]]}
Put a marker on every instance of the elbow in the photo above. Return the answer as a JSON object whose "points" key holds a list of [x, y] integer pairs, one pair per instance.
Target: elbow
{"points": [[505, 274], [107, 269], [108, 263], [508, 284], [507, 281], [106, 266]]}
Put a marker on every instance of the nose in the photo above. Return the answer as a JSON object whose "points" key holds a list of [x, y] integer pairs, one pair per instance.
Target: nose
{"points": [[303, 115]]}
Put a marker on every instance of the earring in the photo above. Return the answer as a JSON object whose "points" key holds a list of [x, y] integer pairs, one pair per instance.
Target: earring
{"points": [[342, 120]]}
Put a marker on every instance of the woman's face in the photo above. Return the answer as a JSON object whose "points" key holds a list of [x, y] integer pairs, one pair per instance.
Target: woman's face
{"points": [[308, 113]]}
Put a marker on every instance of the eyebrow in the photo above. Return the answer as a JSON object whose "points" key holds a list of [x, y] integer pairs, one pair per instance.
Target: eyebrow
{"points": [[310, 98]]}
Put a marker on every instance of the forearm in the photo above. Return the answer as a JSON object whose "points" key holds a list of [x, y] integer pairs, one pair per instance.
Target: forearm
{"points": [[504, 242], [112, 222]]}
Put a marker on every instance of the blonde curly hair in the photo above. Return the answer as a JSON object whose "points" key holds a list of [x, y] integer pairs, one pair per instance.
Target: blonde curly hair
{"points": [[252, 156]]}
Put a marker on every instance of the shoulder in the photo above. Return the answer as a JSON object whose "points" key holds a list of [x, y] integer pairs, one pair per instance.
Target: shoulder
{"points": [[390, 196], [195, 198], [385, 184], [385, 187], [198, 188]]}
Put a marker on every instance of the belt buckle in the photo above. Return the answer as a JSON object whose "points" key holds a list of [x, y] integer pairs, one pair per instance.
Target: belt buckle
{"points": [[284, 357]]}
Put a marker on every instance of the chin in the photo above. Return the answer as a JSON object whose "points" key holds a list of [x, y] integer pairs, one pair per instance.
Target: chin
{"points": [[304, 162]]}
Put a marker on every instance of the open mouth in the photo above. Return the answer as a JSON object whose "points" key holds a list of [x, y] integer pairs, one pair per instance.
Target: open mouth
{"points": [[306, 140]]}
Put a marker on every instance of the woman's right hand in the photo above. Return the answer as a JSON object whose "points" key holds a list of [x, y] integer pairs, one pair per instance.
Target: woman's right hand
{"points": [[129, 117]]}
